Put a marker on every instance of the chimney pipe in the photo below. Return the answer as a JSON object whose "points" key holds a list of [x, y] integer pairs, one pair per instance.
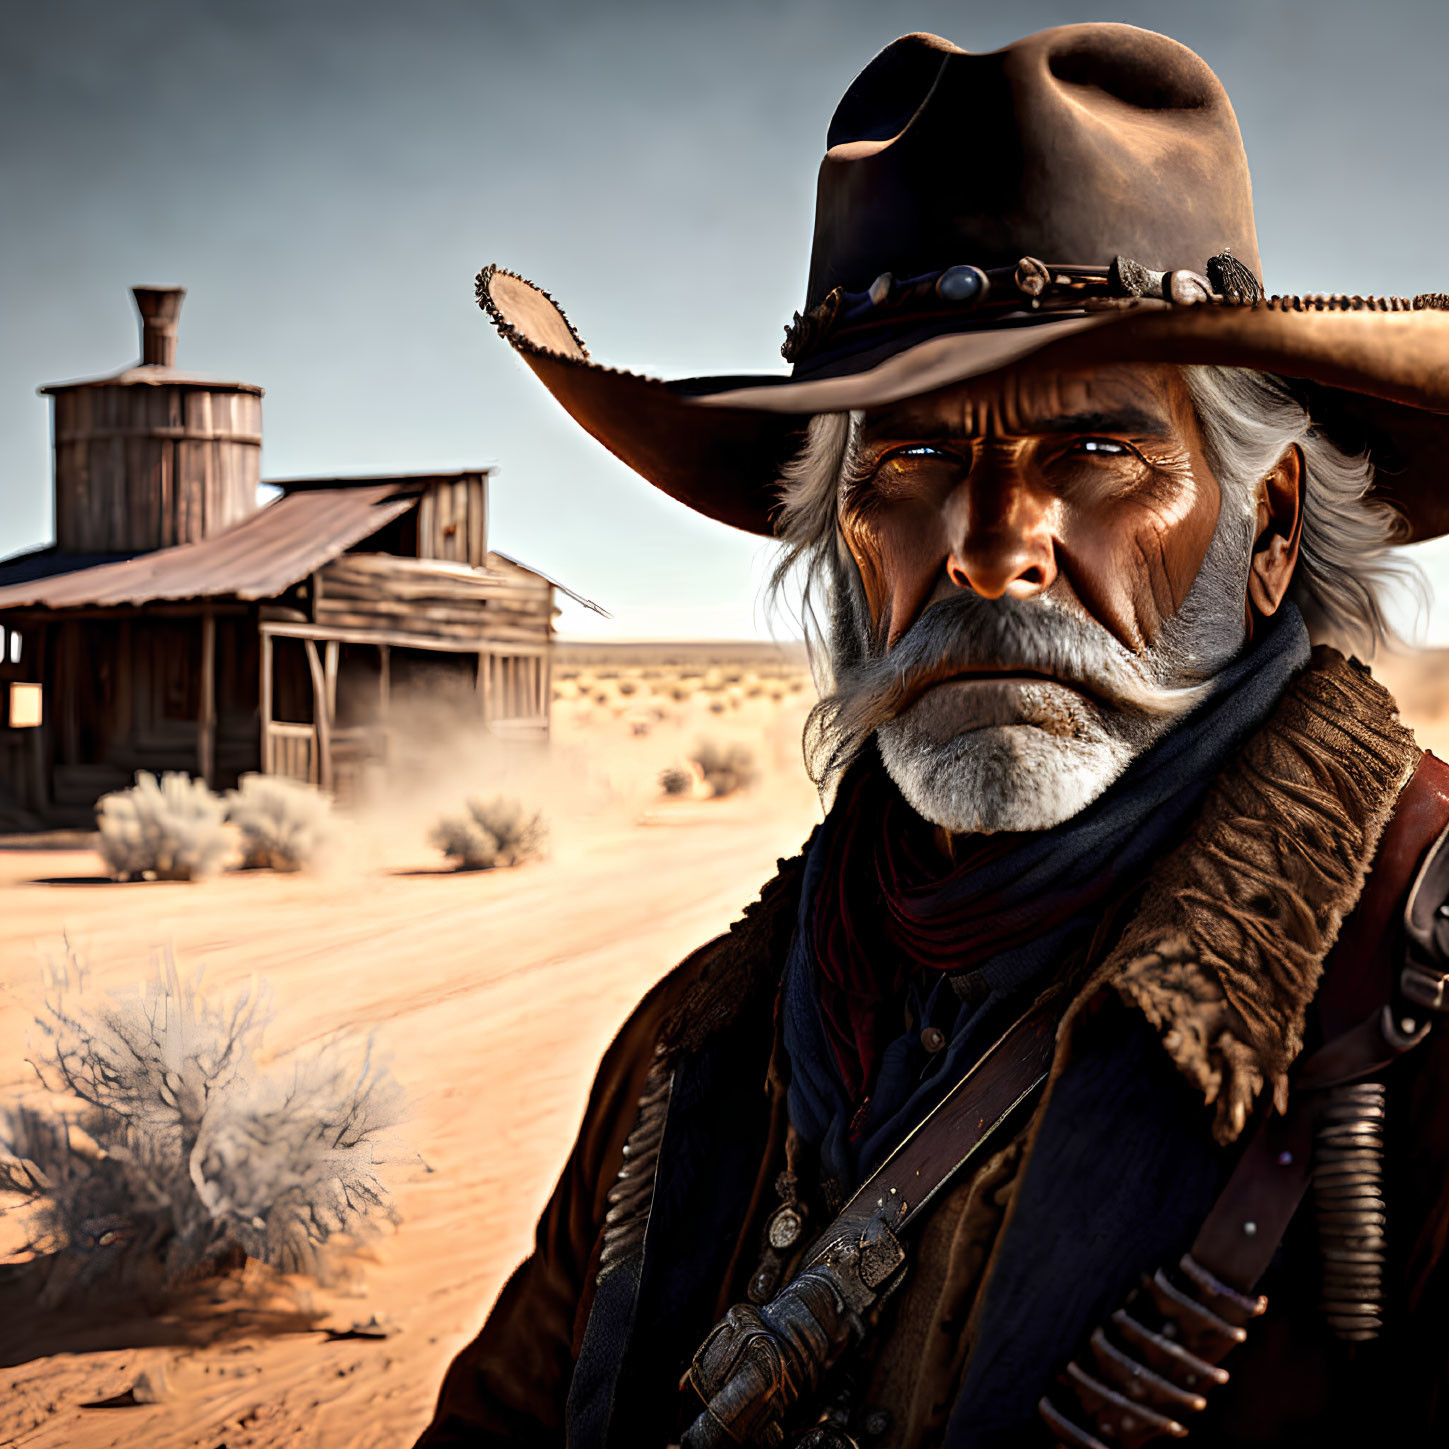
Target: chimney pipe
{"points": [[159, 308]]}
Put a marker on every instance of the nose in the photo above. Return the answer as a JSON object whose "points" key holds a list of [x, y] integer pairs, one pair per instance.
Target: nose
{"points": [[1000, 537]]}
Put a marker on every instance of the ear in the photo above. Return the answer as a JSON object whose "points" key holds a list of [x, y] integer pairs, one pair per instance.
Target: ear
{"points": [[1279, 528]]}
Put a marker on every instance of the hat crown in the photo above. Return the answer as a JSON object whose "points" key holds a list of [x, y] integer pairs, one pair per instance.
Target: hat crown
{"points": [[1074, 145]]}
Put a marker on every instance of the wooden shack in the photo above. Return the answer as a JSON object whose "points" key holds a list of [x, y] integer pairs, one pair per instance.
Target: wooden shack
{"points": [[175, 624]]}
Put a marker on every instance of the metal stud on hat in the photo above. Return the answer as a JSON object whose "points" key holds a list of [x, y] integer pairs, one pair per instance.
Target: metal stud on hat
{"points": [[961, 284]]}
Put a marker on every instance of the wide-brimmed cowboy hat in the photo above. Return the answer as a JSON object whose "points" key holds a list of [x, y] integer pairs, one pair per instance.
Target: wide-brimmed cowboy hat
{"points": [[1080, 197]]}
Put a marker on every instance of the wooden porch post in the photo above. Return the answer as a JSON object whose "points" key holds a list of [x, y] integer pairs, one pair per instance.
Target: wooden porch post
{"points": [[331, 656], [322, 721], [484, 684], [265, 702], [206, 723]]}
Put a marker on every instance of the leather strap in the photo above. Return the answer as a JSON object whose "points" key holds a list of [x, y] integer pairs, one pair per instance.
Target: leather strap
{"points": [[1007, 1077]]}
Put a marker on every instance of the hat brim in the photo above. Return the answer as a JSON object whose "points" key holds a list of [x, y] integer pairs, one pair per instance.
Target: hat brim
{"points": [[1376, 380]]}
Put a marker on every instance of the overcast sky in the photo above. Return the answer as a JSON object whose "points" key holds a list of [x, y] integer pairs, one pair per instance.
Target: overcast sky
{"points": [[327, 178]]}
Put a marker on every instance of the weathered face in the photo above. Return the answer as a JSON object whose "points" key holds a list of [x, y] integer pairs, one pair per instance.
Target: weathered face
{"points": [[1026, 545], [1088, 486]]}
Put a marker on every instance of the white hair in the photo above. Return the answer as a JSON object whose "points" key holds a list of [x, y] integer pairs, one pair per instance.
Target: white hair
{"points": [[1249, 420]]}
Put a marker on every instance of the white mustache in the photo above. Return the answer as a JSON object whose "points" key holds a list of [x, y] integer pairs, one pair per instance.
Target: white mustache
{"points": [[967, 634]]}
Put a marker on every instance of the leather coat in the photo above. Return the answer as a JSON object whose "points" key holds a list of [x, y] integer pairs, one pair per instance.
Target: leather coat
{"points": [[1200, 994]]}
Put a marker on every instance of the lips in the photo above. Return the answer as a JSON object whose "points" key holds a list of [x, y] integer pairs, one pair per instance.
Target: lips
{"points": [[956, 674]]}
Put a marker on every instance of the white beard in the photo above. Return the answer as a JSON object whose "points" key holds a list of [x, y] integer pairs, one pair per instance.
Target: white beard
{"points": [[1036, 753], [1054, 758]]}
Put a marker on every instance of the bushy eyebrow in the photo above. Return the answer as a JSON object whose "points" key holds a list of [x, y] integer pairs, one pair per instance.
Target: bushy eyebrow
{"points": [[1128, 420], [1122, 420]]}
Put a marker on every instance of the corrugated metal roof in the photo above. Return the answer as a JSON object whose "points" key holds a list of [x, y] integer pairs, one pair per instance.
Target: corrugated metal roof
{"points": [[257, 559]]}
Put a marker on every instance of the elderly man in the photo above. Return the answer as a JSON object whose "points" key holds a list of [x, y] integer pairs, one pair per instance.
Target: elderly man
{"points": [[1080, 1082]]}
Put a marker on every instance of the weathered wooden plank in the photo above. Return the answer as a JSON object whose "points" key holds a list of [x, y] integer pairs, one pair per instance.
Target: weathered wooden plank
{"points": [[113, 512], [425, 628], [402, 639], [345, 580], [182, 492], [166, 495], [134, 529], [442, 546], [479, 614], [146, 492], [427, 523], [478, 521]]}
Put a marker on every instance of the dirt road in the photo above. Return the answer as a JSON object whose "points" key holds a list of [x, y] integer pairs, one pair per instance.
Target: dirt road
{"points": [[492, 995]]}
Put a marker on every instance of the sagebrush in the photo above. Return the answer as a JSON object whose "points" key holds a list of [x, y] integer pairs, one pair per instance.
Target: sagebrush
{"points": [[171, 829], [498, 832], [284, 824], [674, 781], [726, 768], [184, 1155]]}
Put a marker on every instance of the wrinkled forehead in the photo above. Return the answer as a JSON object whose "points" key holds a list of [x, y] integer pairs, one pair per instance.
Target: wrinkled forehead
{"points": [[1140, 400]]}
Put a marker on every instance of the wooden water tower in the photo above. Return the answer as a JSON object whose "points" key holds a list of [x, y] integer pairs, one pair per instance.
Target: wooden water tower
{"points": [[153, 456]]}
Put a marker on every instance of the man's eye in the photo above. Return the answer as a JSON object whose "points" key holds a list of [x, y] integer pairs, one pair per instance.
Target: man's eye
{"points": [[920, 450], [1103, 446]]}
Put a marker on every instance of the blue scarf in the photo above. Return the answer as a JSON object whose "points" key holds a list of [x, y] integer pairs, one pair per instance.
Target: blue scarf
{"points": [[1122, 832]]}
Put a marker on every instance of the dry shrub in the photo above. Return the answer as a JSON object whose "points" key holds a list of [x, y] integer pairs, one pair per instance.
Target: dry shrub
{"points": [[171, 829], [627, 687], [185, 1156], [284, 824], [675, 781], [725, 768], [496, 832]]}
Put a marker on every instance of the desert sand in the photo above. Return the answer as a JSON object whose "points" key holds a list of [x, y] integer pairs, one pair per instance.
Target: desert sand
{"points": [[491, 994]]}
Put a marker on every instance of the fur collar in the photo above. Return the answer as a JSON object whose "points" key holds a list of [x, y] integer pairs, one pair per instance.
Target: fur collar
{"points": [[1226, 951]]}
